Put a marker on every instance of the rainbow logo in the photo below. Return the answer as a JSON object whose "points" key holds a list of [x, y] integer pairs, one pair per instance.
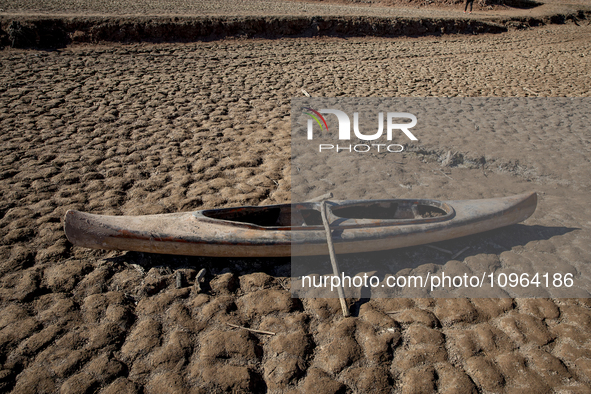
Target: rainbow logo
{"points": [[316, 115]]}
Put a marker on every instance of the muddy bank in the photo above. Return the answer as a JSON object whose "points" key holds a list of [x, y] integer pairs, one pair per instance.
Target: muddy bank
{"points": [[51, 32]]}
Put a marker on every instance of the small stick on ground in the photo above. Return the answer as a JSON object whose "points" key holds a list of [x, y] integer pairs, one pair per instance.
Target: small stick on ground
{"points": [[198, 280], [251, 329], [323, 197], [305, 93], [440, 249], [333, 259], [443, 172], [460, 252], [200, 274]]}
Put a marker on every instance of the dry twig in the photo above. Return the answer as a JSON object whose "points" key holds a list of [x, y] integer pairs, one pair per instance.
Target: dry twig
{"points": [[251, 329], [443, 172], [178, 279], [323, 197], [199, 279], [460, 252], [439, 249]]}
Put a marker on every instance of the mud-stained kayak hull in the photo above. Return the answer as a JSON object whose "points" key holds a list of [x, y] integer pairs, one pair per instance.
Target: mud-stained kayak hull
{"points": [[295, 229]]}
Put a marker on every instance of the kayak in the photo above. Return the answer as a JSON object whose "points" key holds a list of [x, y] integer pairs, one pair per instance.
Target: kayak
{"points": [[297, 229]]}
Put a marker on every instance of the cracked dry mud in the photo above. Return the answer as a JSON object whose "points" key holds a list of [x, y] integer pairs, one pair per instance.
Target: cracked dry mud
{"points": [[141, 129]]}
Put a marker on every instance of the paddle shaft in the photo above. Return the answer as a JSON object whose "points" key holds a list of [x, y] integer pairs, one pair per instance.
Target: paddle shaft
{"points": [[333, 259]]}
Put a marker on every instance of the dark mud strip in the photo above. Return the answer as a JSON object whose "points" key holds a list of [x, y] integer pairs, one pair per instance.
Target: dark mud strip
{"points": [[40, 32]]}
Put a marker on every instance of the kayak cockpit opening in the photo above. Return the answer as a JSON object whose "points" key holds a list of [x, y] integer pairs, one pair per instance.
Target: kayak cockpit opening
{"points": [[271, 216], [388, 210]]}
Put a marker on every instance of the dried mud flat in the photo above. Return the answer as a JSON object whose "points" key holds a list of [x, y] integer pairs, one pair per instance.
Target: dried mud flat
{"points": [[139, 129]]}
